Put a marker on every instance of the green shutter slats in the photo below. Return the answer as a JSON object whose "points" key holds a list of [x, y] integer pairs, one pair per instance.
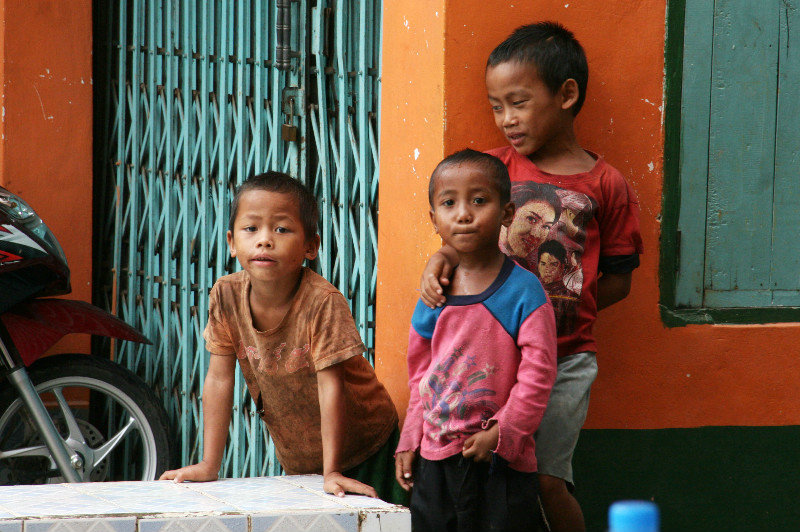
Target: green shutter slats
{"points": [[785, 271], [740, 149], [695, 103]]}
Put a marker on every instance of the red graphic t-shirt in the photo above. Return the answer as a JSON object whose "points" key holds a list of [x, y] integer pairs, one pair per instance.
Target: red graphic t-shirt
{"points": [[562, 227]]}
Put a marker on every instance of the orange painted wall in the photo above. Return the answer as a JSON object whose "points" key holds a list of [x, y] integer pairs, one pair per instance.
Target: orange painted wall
{"points": [[412, 128], [650, 376], [46, 129]]}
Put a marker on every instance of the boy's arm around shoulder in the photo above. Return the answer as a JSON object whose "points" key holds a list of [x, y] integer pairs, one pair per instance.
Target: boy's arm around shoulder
{"points": [[217, 404], [436, 275], [520, 416]]}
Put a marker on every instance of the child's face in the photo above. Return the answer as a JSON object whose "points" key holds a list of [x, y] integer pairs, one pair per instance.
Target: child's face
{"points": [[268, 238], [467, 211], [550, 268], [525, 110]]}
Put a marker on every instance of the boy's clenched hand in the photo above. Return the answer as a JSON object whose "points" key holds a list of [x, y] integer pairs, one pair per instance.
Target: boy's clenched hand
{"points": [[436, 275], [338, 485], [200, 472], [403, 463], [480, 445]]}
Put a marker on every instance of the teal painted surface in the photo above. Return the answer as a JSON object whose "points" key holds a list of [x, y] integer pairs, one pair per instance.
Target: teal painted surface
{"points": [[343, 134], [192, 100], [739, 151], [703, 479], [786, 214], [699, 17]]}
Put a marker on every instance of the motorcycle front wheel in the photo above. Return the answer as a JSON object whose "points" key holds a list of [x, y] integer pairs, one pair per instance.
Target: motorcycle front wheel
{"points": [[104, 413]]}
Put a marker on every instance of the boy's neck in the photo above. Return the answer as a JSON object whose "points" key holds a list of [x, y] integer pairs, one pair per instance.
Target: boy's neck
{"points": [[476, 272], [563, 155], [270, 301]]}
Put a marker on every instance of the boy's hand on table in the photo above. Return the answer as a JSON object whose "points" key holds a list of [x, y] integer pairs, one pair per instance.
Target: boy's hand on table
{"points": [[436, 275], [403, 463], [480, 445], [338, 484], [200, 472]]}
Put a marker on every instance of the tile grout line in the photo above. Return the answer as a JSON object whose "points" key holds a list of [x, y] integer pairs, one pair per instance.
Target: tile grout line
{"points": [[213, 497], [10, 511], [86, 494]]}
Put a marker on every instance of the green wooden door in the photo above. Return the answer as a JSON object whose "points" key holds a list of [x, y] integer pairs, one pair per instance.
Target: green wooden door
{"points": [[739, 148]]}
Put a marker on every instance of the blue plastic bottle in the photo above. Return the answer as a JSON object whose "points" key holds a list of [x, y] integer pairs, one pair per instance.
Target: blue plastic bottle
{"points": [[633, 516]]}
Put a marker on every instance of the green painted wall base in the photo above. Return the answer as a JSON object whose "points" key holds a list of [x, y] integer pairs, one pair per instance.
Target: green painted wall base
{"points": [[704, 479]]}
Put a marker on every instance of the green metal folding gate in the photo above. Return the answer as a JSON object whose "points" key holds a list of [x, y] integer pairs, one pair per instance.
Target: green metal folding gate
{"points": [[193, 97]]}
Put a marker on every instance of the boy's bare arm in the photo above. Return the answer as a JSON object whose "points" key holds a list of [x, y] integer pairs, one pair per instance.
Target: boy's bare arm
{"points": [[217, 403], [330, 384], [612, 288], [437, 274]]}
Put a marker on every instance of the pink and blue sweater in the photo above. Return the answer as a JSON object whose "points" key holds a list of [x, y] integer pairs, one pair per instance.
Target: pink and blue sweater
{"points": [[481, 359]]}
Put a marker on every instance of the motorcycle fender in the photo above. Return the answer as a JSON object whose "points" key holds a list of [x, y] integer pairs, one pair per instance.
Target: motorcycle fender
{"points": [[35, 326]]}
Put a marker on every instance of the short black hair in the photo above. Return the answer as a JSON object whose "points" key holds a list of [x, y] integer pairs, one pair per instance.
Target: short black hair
{"points": [[491, 164], [550, 48], [527, 191], [284, 184], [554, 248]]}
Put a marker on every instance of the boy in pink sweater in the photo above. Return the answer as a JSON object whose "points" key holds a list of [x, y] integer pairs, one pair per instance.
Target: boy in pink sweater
{"points": [[480, 367]]}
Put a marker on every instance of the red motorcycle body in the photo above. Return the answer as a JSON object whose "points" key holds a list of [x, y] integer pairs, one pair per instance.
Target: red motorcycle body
{"points": [[36, 325]]}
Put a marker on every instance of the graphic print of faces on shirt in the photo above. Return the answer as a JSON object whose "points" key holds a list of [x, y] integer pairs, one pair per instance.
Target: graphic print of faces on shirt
{"points": [[537, 211], [547, 237]]}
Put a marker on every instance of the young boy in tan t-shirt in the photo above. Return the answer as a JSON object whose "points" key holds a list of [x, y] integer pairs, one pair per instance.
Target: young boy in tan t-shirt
{"points": [[298, 348]]}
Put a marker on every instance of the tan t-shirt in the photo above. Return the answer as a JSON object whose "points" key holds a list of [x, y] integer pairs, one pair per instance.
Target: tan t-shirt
{"points": [[280, 368]]}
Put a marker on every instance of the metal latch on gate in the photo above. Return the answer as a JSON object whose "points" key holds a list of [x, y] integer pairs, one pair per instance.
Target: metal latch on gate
{"points": [[283, 32], [292, 103]]}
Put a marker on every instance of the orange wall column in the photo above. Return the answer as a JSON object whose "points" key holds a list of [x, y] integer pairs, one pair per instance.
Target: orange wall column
{"points": [[46, 128], [412, 143]]}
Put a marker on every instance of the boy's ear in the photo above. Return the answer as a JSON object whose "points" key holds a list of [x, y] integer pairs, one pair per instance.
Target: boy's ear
{"points": [[569, 94], [433, 221], [312, 248], [508, 214], [229, 238]]}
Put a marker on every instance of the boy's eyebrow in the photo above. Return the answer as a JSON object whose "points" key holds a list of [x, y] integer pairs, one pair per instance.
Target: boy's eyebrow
{"points": [[281, 215], [509, 94], [470, 190], [275, 216]]}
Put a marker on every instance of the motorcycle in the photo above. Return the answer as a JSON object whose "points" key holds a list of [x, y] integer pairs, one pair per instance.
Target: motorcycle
{"points": [[68, 417]]}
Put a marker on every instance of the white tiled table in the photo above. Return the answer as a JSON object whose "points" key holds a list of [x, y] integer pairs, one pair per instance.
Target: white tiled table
{"points": [[265, 504]]}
